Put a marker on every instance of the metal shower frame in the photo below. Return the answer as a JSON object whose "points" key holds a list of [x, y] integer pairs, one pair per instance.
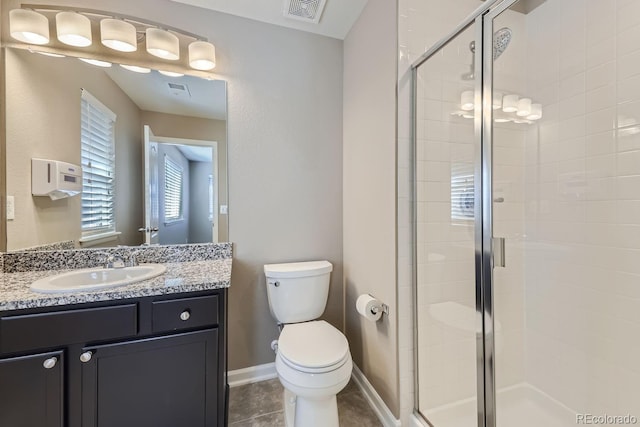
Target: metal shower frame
{"points": [[482, 18]]}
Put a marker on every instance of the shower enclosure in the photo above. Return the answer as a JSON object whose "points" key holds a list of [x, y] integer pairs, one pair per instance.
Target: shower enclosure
{"points": [[527, 217]]}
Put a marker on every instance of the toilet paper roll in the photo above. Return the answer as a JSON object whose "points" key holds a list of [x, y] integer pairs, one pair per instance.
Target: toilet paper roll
{"points": [[365, 304]]}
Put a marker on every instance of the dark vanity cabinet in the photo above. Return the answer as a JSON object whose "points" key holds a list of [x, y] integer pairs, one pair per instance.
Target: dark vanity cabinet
{"points": [[150, 362], [31, 390]]}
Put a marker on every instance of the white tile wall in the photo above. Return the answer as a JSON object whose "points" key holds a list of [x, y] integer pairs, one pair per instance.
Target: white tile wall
{"points": [[581, 257]]}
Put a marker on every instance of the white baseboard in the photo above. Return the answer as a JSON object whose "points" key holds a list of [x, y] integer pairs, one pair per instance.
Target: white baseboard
{"points": [[373, 398], [252, 374]]}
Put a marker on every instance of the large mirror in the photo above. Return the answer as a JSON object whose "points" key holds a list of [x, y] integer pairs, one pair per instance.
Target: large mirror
{"points": [[151, 148]]}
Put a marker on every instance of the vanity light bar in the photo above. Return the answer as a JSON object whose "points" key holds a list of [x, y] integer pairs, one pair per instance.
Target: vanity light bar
{"points": [[73, 27]]}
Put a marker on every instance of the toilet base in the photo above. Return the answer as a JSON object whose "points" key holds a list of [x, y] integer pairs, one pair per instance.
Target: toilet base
{"points": [[305, 412]]}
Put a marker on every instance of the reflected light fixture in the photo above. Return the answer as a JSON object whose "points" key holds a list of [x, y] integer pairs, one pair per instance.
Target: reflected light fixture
{"points": [[510, 103], [73, 29], [202, 55], [28, 26], [163, 44], [96, 62], [136, 69], [497, 100], [170, 73], [524, 107], [466, 100], [536, 112], [118, 35]]}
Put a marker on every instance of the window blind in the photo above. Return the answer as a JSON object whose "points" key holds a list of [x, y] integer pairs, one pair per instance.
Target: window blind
{"points": [[172, 190], [97, 132], [462, 191]]}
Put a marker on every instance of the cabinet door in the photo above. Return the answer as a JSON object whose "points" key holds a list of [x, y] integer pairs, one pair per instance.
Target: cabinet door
{"points": [[31, 391], [167, 381]]}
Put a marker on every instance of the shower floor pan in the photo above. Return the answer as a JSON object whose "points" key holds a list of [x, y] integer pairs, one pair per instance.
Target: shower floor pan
{"points": [[521, 405]]}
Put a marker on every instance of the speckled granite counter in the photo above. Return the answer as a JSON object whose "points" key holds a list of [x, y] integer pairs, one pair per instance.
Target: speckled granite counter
{"points": [[188, 276]]}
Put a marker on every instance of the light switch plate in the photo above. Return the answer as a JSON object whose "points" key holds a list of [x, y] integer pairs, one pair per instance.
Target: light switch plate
{"points": [[224, 209], [11, 208]]}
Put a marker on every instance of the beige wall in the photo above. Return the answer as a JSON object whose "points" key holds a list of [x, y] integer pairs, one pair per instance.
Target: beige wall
{"points": [[285, 156], [43, 121], [369, 186], [175, 126]]}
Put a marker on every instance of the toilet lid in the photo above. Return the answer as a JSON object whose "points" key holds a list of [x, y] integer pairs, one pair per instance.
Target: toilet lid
{"points": [[312, 344]]}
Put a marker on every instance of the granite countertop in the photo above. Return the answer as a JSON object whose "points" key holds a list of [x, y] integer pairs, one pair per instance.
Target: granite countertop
{"points": [[189, 276]]}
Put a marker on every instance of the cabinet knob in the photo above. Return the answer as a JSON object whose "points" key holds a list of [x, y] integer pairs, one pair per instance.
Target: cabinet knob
{"points": [[50, 362], [185, 315], [86, 356]]}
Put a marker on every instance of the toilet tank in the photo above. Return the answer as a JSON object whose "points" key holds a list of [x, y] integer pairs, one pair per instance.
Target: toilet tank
{"points": [[298, 291]]}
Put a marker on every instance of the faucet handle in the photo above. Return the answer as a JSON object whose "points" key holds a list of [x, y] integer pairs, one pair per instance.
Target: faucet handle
{"points": [[106, 259], [132, 260]]}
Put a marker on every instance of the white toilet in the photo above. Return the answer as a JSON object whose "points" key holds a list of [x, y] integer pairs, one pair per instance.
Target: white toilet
{"points": [[312, 357]]}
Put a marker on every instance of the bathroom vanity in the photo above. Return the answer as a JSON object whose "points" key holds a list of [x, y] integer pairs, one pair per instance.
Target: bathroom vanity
{"points": [[149, 354]]}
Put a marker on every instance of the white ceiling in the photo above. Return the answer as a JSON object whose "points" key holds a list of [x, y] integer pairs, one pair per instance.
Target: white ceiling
{"points": [[336, 21], [196, 153], [206, 99]]}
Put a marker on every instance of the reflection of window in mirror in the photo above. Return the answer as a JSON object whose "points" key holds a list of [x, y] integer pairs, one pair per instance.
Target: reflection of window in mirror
{"points": [[462, 193], [172, 190], [98, 166]]}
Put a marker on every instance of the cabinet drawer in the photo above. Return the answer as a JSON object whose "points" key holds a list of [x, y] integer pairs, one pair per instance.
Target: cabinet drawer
{"points": [[185, 313], [31, 331]]}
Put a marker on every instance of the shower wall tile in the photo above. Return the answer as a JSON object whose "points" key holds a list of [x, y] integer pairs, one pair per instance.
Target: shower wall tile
{"points": [[582, 253]]}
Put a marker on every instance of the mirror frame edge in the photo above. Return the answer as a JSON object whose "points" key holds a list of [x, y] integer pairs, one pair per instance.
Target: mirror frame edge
{"points": [[3, 155]]}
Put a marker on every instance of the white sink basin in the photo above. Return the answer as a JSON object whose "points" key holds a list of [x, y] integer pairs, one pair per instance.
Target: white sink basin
{"points": [[92, 279]]}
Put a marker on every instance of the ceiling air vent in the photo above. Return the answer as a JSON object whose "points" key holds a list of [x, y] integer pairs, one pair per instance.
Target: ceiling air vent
{"points": [[304, 10], [179, 90]]}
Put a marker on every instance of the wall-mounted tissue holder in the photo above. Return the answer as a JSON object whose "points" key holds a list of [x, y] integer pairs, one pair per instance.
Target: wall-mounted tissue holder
{"points": [[371, 308]]}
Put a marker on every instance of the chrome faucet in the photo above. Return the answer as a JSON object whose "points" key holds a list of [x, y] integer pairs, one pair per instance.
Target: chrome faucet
{"points": [[132, 261], [110, 260]]}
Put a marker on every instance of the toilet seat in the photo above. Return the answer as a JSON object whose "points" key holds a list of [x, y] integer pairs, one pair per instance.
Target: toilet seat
{"points": [[313, 347]]}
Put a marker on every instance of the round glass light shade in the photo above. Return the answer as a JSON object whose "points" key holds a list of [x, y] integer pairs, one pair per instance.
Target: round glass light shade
{"points": [[73, 29], [170, 73], [202, 55], [536, 112], [28, 26], [136, 69], [96, 62], [466, 100], [163, 44], [118, 35], [510, 103], [524, 107]]}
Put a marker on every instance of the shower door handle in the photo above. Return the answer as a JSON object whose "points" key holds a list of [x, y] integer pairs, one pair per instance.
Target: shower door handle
{"points": [[499, 252]]}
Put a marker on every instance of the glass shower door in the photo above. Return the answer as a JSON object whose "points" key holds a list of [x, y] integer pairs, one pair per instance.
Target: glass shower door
{"points": [[448, 328], [565, 145]]}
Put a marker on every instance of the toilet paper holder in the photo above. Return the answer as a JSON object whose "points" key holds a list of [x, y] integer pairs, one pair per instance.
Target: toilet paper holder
{"points": [[378, 308]]}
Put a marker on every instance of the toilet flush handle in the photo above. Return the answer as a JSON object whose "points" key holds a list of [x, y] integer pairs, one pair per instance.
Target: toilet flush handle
{"points": [[274, 283]]}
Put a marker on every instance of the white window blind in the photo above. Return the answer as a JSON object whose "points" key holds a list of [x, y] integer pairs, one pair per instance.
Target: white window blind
{"points": [[172, 190], [97, 133], [462, 191]]}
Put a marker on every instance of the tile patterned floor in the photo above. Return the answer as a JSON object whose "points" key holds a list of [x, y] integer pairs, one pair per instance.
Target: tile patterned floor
{"points": [[260, 405]]}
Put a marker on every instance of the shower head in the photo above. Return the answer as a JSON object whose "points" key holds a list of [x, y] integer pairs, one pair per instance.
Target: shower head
{"points": [[501, 40]]}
